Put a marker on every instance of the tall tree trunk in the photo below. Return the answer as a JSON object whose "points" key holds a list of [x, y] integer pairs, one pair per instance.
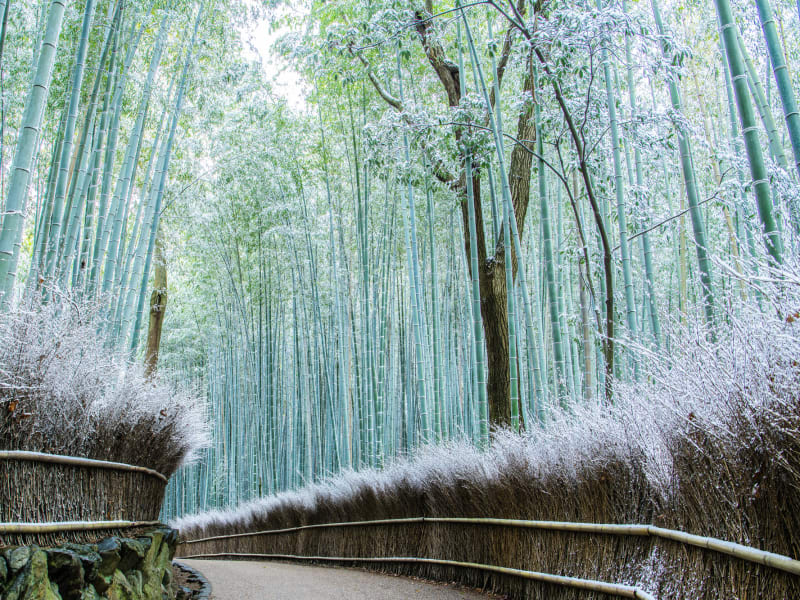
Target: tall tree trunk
{"points": [[494, 290], [491, 269], [494, 311], [158, 307]]}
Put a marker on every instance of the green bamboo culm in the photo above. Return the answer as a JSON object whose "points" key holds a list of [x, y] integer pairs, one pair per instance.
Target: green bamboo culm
{"points": [[13, 223], [762, 104], [684, 145], [78, 186], [549, 261], [134, 341], [475, 288], [781, 73], [630, 302], [645, 236], [129, 164], [536, 391], [415, 284], [56, 225], [435, 333], [755, 157], [4, 7], [745, 229], [104, 211]]}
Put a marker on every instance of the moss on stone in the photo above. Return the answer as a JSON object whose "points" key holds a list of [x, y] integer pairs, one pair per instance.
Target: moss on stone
{"points": [[115, 569]]}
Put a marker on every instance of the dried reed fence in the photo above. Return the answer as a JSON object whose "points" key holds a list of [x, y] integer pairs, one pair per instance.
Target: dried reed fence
{"points": [[73, 498], [70, 404], [735, 479], [708, 443], [402, 545]]}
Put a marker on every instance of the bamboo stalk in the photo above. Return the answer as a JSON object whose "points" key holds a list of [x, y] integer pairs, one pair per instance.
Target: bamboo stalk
{"points": [[477, 340], [22, 165], [56, 527], [746, 553], [758, 171], [75, 461], [781, 72], [754, 555]]}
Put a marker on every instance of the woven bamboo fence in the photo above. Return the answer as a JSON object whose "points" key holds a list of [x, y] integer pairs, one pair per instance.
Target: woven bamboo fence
{"points": [[39, 492], [527, 559]]}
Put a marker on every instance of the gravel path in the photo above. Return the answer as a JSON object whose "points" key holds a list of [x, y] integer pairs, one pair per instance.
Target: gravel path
{"points": [[257, 580]]}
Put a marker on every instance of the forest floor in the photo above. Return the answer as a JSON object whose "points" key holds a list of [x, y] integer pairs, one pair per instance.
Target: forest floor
{"points": [[259, 580]]}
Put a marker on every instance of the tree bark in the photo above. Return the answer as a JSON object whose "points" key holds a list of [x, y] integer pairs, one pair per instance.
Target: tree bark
{"points": [[158, 308], [494, 311], [494, 308]]}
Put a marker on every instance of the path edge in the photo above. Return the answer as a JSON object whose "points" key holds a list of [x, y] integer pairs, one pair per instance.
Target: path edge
{"points": [[204, 593]]}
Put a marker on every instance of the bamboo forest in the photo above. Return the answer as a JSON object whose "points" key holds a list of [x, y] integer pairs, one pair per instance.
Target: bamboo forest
{"points": [[322, 261]]}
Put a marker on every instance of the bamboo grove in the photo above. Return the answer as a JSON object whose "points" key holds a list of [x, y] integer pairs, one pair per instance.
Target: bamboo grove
{"points": [[86, 179], [478, 214], [646, 153]]}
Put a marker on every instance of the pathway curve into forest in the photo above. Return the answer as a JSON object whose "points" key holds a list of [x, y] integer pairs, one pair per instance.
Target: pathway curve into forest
{"points": [[258, 580]]}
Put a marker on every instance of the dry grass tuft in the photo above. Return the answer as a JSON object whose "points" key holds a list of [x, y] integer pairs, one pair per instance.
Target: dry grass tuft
{"points": [[63, 391]]}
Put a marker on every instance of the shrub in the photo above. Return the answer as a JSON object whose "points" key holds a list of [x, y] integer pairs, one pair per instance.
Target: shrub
{"points": [[64, 391]]}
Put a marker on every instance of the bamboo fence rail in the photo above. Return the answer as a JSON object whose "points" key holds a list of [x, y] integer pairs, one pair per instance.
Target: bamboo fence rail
{"points": [[48, 499], [740, 551], [62, 526], [76, 461]]}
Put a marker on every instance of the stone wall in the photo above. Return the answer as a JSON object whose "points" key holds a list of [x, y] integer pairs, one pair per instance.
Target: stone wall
{"points": [[116, 568]]}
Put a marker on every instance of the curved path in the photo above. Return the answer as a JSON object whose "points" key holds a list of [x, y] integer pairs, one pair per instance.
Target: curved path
{"points": [[257, 580]]}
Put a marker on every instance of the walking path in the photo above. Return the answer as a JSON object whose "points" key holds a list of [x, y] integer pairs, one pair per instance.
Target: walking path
{"points": [[260, 580]]}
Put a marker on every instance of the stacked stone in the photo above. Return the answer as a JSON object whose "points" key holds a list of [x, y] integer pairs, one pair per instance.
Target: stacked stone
{"points": [[116, 569]]}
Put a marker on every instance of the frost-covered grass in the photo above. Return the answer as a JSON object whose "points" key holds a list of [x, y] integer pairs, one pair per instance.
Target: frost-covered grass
{"points": [[63, 391], [707, 442]]}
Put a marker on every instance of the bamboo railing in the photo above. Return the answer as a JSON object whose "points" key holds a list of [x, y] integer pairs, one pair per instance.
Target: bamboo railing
{"points": [[76, 461], [746, 553], [50, 498], [62, 526], [739, 551]]}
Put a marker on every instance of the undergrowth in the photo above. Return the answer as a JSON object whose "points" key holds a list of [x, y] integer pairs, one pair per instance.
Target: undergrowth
{"points": [[63, 390]]}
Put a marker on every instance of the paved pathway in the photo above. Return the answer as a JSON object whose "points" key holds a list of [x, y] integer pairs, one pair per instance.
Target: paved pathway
{"points": [[257, 580]]}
